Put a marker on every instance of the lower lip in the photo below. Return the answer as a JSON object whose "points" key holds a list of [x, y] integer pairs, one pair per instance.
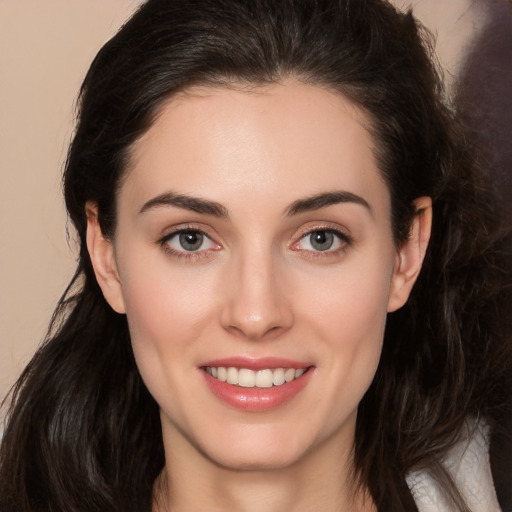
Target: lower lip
{"points": [[257, 399]]}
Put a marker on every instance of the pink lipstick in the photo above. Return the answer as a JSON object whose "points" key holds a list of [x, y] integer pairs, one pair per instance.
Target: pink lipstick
{"points": [[256, 384]]}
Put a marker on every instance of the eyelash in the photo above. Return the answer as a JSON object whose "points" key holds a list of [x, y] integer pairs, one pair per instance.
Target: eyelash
{"points": [[342, 238], [184, 254]]}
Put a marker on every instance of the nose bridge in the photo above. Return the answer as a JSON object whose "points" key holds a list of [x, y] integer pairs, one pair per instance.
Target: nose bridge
{"points": [[256, 305]]}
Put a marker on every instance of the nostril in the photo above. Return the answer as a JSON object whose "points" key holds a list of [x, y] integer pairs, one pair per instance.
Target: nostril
{"points": [[255, 308], [256, 332]]}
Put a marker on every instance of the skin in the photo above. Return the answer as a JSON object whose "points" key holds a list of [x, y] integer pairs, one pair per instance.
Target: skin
{"points": [[257, 288]]}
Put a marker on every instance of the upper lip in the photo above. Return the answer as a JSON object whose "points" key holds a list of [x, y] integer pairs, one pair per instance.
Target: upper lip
{"points": [[256, 364]]}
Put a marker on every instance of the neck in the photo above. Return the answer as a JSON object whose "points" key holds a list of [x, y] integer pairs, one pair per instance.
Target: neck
{"points": [[319, 481]]}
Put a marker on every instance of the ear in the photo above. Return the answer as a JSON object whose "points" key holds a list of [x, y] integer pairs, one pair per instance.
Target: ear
{"points": [[410, 255], [101, 252]]}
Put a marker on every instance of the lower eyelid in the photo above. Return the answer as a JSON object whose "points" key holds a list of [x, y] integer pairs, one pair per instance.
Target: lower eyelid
{"points": [[190, 256]]}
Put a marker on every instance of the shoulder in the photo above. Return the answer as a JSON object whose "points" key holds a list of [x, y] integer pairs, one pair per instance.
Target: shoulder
{"points": [[468, 464]]}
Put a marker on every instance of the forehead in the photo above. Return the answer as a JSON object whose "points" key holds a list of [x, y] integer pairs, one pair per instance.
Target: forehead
{"points": [[281, 141]]}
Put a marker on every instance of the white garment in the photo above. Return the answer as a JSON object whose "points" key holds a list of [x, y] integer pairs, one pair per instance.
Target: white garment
{"points": [[468, 464]]}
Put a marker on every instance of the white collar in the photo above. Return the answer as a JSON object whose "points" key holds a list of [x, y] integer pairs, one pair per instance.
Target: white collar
{"points": [[468, 464]]}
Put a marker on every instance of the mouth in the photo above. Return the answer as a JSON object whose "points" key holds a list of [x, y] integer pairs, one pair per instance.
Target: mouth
{"points": [[266, 384], [247, 378]]}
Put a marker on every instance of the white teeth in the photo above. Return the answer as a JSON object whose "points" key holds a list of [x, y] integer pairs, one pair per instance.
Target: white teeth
{"points": [[264, 379], [289, 375], [278, 377], [246, 378], [232, 376], [249, 379]]}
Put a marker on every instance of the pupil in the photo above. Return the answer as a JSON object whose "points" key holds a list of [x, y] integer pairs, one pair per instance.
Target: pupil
{"points": [[322, 240], [191, 241]]}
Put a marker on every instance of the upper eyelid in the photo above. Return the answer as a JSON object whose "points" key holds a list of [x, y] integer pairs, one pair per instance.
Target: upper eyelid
{"points": [[183, 228], [343, 237], [336, 231], [324, 226]]}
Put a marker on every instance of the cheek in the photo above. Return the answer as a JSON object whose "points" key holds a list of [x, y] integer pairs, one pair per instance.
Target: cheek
{"points": [[165, 310], [166, 316], [349, 315], [351, 297]]}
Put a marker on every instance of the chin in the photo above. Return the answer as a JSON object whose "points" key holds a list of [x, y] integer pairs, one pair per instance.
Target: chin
{"points": [[263, 461], [253, 450]]}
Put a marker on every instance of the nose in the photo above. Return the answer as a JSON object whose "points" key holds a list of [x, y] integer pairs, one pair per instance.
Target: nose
{"points": [[255, 305]]}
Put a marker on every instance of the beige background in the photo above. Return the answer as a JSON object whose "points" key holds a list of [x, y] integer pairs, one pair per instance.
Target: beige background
{"points": [[45, 49]]}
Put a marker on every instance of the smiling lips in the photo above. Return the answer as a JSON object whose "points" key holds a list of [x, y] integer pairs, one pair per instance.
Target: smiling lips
{"points": [[260, 388], [247, 378]]}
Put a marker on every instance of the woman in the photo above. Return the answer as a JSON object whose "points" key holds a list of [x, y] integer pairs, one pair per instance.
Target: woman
{"points": [[290, 277]]}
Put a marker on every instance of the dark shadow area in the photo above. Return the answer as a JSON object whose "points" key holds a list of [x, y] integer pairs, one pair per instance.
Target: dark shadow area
{"points": [[484, 95]]}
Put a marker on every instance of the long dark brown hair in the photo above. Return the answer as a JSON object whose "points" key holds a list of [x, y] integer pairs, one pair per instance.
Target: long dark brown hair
{"points": [[83, 433]]}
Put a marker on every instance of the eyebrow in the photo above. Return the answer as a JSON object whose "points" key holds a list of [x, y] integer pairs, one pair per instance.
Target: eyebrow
{"points": [[186, 202], [208, 207], [325, 199]]}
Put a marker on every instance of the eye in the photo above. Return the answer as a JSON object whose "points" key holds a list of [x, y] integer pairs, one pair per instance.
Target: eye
{"points": [[190, 240], [185, 241], [322, 240]]}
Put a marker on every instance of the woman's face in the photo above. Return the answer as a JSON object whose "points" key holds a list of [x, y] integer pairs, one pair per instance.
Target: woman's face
{"points": [[254, 243]]}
